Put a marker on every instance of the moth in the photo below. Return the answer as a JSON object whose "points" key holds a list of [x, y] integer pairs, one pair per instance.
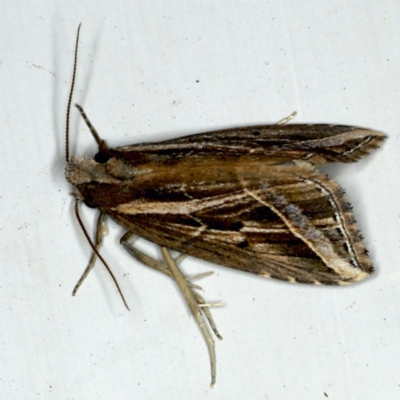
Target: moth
{"points": [[249, 198]]}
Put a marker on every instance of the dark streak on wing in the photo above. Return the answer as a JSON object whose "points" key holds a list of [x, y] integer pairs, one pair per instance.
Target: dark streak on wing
{"points": [[331, 143]]}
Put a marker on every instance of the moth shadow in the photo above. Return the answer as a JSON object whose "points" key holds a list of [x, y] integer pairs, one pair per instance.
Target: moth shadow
{"points": [[352, 178]]}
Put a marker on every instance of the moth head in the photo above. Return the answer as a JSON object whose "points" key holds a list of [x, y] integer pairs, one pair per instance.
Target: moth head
{"points": [[104, 168], [81, 170]]}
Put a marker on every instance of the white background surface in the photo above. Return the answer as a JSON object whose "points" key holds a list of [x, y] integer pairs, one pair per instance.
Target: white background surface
{"points": [[256, 62]]}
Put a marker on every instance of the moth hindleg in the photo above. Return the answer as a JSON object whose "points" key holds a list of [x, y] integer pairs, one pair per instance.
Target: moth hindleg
{"points": [[162, 267], [196, 311], [195, 301]]}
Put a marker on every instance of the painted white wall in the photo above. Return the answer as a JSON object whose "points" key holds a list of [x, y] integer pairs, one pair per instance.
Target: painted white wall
{"points": [[155, 70]]}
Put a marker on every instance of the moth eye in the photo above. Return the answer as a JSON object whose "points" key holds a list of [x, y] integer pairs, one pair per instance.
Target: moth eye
{"points": [[256, 133], [102, 157], [87, 204]]}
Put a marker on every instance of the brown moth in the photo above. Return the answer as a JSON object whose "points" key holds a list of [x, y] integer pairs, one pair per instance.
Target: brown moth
{"points": [[249, 198]]}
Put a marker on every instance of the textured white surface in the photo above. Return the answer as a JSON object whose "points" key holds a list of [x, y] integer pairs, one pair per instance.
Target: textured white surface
{"points": [[155, 70]]}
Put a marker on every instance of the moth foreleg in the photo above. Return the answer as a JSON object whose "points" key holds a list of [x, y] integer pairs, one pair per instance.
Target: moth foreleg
{"points": [[100, 232], [287, 119]]}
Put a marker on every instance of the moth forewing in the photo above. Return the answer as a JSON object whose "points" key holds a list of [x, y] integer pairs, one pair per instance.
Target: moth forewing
{"points": [[249, 198]]}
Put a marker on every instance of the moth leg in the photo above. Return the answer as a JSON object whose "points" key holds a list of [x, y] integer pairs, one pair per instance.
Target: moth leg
{"points": [[180, 258], [195, 301], [197, 276], [157, 265], [142, 257], [192, 278], [205, 307], [162, 267], [287, 119], [100, 232], [194, 308]]}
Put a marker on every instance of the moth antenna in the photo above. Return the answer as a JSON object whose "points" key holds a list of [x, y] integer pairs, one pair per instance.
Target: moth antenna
{"points": [[71, 93], [102, 143], [97, 252]]}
